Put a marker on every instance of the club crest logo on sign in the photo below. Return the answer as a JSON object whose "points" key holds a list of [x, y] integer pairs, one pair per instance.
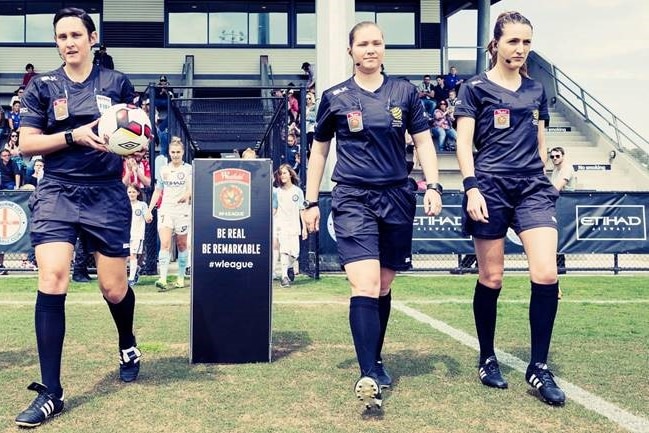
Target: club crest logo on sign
{"points": [[13, 222], [501, 118], [355, 121], [231, 194]]}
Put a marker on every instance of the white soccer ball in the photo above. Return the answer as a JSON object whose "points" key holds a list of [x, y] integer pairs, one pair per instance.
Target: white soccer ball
{"points": [[128, 129]]}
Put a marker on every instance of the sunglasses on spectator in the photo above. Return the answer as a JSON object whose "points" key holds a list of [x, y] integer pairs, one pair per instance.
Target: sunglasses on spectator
{"points": [[14, 135], [555, 156]]}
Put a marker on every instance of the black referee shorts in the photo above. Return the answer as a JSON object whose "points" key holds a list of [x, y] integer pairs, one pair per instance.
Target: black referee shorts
{"points": [[374, 224], [99, 213], [519, 202]]}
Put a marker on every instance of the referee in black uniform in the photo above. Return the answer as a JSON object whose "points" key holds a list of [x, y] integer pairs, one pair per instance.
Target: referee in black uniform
{"points": [[81, 194], [373, 205]]}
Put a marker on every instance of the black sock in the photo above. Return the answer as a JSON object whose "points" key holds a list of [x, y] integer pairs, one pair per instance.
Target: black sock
{"points": [[364, 323], [485, 308], [122, 313], [385, 304], [49, 319], [544, 301]]}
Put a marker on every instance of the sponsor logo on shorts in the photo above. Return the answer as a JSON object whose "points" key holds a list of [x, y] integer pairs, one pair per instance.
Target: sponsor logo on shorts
{"points": [[13, 222], [231, 194], [611, 222]]}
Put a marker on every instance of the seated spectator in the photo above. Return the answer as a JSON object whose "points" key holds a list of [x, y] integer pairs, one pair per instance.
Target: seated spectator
{"points": [[9, 172], [563, 175], [29, 74], [451, 101], [34, 178], [17, 95], [442, 129], [102, 58], [309, 70], [427, 95], [441, 91], [452, 81], [4, 125], [14, 116], [14, 151]]}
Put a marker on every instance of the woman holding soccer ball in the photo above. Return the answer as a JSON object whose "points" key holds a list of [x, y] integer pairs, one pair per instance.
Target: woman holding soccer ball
{"points": [[82, 195]]}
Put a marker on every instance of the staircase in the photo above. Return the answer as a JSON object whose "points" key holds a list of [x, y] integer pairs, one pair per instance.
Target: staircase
{"points": [[596, 173]]}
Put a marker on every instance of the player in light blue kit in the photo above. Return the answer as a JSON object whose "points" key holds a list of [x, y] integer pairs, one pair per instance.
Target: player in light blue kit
{"points": [[504, 112]]}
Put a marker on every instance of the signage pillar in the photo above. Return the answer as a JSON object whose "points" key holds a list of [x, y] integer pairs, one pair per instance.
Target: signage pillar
{"points": [[231, 295]]}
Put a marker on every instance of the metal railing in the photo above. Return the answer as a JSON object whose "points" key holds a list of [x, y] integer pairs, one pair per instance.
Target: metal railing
{"points": [[620, 133]]}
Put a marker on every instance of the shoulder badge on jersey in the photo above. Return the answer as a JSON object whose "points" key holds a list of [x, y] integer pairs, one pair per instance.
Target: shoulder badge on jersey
{"points": [[535, 117], [397, 117]]}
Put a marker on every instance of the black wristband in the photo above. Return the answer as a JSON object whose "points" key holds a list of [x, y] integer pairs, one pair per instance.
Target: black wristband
{"points": [[68, 138], [435, 187], [470, 182]]}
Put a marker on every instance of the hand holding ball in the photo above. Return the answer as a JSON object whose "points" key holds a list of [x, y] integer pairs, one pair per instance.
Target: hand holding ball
{"points": [[127, 127]]}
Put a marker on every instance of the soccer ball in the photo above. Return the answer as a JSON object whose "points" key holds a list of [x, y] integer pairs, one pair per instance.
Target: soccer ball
{"points": [[128, 129]]}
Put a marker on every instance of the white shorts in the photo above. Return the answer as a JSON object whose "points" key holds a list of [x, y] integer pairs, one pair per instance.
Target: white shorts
{"points": [[137, 245], [177, 222], [289, 244]]}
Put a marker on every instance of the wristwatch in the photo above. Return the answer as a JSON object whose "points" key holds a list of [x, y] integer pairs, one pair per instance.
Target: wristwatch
{"points": [[309, 204], [68, 137], [436, 186]]}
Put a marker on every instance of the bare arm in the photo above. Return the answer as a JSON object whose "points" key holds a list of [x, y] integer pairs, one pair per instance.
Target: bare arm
{"points": [[319, 153], [34, 142], [428, 160], [476, 205], [543, 152]]}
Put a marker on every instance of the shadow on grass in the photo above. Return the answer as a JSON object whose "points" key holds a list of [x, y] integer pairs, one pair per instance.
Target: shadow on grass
{"points": [[287, 342], [408, 363], [154, 372], [18, 358]]}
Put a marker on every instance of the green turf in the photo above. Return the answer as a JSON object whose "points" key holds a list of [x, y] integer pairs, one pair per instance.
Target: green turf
{"points": [[601, 348]]}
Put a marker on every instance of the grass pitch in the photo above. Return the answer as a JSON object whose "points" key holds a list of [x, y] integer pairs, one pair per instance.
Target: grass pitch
{"points": [[600, 344]]}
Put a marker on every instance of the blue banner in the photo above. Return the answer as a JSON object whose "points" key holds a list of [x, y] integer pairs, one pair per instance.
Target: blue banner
{"points": [[14, 221], [593, 222]]}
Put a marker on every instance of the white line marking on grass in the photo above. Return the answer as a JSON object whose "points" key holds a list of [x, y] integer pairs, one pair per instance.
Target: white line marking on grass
{"points": [[590, 401]]}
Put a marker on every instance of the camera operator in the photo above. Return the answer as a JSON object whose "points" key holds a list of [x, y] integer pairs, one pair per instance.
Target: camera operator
{"points": [[102, 58]]}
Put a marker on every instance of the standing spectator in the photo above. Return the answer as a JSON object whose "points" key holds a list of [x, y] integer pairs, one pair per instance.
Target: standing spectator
{"points": [[175, 185], [293, 108], [14, 116], [102, 58], [139, 218], [504, 113], [81, 194], [163, 94], [288, 220], [29, 74], [137, 171], [373, 203], [451, 80], [292, 152], [9, 171], [563, 175], [309, 70], [427, 95], [310, 117]]}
